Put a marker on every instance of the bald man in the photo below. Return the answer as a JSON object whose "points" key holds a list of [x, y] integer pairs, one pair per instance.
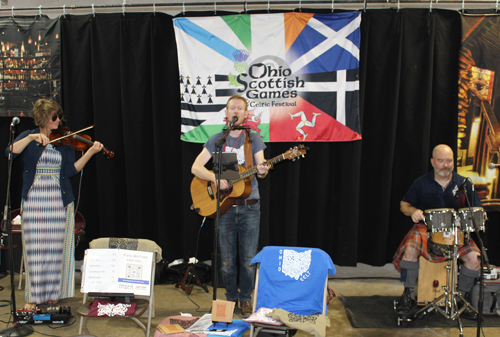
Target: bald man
{"points": [[439, 188]]}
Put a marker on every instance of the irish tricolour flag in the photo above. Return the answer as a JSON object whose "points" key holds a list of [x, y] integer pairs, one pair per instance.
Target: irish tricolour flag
{"points": [[298, 71]]}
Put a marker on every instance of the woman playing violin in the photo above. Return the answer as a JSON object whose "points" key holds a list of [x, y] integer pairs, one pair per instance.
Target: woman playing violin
{"points": [[47, 210]]}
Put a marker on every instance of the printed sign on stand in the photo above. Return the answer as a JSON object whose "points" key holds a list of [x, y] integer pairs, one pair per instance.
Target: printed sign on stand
{"points": [[117, 271]]}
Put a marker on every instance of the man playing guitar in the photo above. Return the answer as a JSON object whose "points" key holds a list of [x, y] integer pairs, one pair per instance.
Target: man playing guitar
{"points": [[240, 225]]}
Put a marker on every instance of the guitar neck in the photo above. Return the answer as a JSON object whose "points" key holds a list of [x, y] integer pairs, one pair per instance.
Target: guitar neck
{"points": [[251, 171]]}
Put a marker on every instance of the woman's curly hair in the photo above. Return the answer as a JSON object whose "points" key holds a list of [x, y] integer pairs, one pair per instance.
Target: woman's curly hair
{"points": [[44, 109]]}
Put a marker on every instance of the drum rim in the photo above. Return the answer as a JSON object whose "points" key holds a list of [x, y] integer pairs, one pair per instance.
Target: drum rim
{"points": [[440, 210], [476, 208]]}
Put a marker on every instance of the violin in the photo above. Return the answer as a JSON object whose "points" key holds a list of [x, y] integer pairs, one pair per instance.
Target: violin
{"points": [[63, 136]]}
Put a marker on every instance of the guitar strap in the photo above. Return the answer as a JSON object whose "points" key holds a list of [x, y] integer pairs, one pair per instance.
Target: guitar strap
{"points": [[248, 152]]}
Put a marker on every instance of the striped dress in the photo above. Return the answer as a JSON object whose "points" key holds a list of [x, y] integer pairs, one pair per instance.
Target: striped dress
{"points": [[48, 240]]}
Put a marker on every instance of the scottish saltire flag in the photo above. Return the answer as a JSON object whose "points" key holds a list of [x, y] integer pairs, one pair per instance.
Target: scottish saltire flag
{"points": [[298, 71]]}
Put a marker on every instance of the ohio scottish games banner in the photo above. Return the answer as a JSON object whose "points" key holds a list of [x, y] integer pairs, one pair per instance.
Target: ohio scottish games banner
{"points": [[298, 72]]}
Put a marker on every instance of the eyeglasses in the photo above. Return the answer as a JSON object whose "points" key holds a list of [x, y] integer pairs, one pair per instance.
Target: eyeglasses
{"points": [[54, 117]]}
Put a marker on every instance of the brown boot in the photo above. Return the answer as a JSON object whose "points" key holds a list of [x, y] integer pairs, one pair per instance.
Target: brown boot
{"points": [[246, 308]]}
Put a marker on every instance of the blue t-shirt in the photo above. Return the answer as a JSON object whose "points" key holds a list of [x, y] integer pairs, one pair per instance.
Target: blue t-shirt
{"points": [[236, 145], [293, 278], [426, 193]]}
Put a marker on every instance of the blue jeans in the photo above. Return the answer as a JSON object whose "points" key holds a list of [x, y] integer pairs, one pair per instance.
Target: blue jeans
{"points": [[239, 229]]}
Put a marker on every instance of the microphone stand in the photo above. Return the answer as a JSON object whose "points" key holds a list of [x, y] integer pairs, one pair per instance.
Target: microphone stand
{"points": [[483, 260], [218, 151], [16, 330]]}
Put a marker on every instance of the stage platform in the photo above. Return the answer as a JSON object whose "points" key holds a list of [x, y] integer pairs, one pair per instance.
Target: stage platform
{"points": [[362, 280]]}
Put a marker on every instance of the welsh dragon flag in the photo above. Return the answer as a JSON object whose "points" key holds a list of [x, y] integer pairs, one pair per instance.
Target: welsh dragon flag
{"points": [[298, 72]]}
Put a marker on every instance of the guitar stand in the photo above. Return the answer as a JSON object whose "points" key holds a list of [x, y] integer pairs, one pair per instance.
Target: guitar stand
{"points": [[182, 283]]}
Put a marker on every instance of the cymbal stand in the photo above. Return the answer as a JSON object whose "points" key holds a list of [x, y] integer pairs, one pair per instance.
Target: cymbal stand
{"points": [[450, 295]]}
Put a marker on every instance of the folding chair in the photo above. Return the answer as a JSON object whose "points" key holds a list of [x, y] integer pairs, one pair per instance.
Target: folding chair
{"points": [[294, 279], [145, 304]]}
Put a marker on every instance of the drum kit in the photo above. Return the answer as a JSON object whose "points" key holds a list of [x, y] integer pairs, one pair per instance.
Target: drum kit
{"points": [[445, 224], [448, 230]]}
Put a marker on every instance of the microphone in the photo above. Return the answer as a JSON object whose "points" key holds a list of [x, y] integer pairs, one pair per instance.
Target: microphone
{"points": [[233, 120], [492, 166], [461, 188], [15, 121]]}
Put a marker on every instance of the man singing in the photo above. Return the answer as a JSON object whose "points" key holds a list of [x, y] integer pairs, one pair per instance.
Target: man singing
{"points": [[239, 226]]}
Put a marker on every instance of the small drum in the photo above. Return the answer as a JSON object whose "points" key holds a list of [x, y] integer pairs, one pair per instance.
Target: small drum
{"points": [[441, 224], [440, 219], [468, 218]]}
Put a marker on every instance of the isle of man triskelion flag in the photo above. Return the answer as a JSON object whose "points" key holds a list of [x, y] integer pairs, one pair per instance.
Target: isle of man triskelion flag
{"points": [[298, 72]]}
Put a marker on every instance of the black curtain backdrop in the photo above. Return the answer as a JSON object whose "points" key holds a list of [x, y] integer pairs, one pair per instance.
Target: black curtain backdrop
{"points": [[120, 73]]}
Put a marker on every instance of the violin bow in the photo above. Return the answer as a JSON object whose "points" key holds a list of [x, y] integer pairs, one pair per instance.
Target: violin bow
{"points": [[71, 134]]}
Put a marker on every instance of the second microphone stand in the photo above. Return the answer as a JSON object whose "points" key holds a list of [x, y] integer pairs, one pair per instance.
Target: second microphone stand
{"points": [[483, 260], [16, 330]]}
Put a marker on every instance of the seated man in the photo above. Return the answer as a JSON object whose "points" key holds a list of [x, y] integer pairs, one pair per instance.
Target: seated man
{"points": [[440, 188]]}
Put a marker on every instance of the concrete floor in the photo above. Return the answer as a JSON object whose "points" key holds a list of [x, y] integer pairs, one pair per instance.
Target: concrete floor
{"points": [[362, 280]]}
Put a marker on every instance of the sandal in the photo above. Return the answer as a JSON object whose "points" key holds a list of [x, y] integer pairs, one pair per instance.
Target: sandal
{"points": [[331, 294], [29, 307]]}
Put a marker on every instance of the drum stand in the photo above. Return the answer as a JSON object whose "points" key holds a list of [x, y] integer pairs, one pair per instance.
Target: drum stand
{"points": [[450, 295]]}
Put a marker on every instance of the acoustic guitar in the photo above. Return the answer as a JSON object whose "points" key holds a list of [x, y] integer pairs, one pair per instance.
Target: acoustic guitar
{"points": [[203, 192]]}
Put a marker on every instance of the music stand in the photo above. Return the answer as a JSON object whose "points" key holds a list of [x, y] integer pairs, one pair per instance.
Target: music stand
{"points": [[229, 161]]}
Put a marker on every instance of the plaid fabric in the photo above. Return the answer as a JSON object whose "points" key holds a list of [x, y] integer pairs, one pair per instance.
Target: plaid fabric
{"points": [[417, 239]]}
